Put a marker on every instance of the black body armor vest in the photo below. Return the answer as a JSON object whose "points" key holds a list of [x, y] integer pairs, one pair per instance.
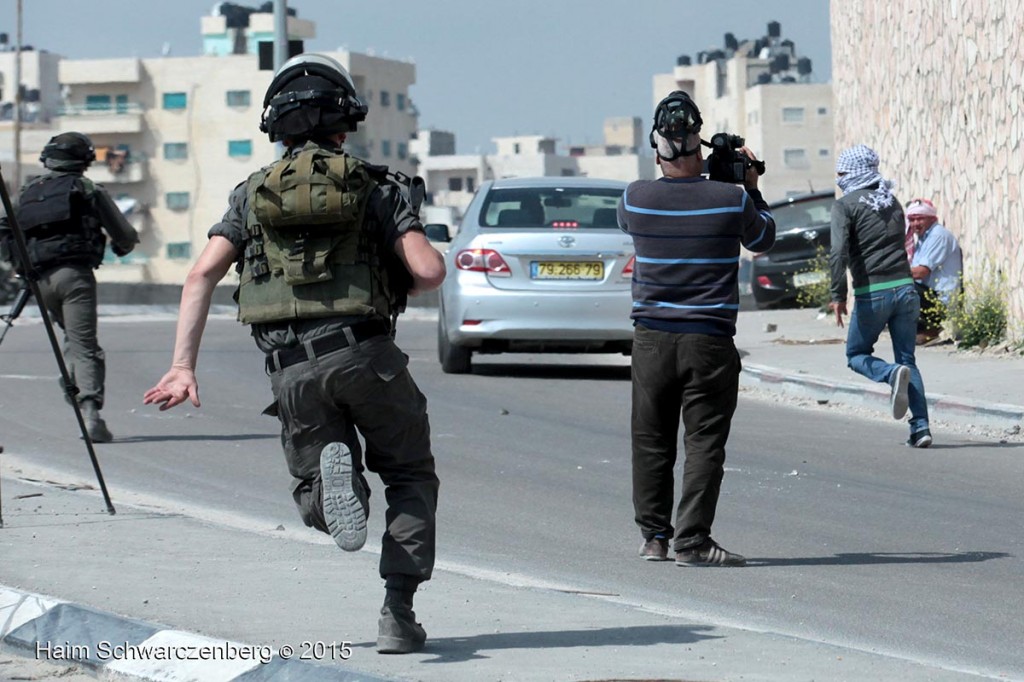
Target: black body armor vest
{"points": [[59, 224]]}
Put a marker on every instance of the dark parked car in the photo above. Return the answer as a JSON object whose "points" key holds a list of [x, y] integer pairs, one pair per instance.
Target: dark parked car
{"points": [[803, 227]]}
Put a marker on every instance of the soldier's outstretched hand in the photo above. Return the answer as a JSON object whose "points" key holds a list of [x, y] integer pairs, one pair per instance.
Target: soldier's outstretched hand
{"points": [[175, 386]]}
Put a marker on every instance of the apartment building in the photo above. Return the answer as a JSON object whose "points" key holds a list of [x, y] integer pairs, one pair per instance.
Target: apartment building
{"points": [[40, 102], [451, 179], [174, 135], [761, 90]]}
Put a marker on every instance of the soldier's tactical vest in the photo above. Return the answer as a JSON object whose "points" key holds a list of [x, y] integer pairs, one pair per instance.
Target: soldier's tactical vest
{"points": [[60, 228], [310, 251]]}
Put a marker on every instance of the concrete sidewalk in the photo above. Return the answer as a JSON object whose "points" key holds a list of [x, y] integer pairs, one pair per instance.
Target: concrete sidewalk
{"points": [[156, 581], [802, 354]]}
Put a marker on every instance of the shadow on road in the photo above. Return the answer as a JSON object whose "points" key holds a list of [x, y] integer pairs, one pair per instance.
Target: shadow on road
{"points": [[870, 558], [585, 372], [460, 649], [192, 437]]}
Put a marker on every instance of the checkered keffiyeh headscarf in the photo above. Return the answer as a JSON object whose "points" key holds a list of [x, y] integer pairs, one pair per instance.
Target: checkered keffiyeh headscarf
{"points": [[860, 165]]}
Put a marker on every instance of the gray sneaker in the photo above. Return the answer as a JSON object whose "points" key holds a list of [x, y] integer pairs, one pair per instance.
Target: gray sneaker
{"points": [[899, 400], [709, 553], [655, 549], [345, 500]]}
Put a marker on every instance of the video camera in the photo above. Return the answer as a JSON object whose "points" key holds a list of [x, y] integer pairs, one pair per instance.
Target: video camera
{"points": [[727, 163]]}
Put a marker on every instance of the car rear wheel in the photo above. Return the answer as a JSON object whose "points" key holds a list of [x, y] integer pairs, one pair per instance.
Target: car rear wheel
{"points": [[454, 359]]}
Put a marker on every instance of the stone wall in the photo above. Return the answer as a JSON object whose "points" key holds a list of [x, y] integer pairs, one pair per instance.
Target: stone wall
{"points": [[937, 88]]}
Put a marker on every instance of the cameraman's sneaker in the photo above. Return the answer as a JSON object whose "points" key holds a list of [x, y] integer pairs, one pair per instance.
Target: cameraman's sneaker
{"points": [[899, 400], [920, 439], [655, 549], [345, 500], [708, 553]]}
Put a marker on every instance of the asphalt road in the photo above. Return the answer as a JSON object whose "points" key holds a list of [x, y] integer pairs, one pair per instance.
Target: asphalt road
{"points": [[854, 539]]}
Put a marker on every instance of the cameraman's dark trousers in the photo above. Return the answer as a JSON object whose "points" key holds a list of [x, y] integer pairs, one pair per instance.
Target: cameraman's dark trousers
{"points": [[696, 376]]}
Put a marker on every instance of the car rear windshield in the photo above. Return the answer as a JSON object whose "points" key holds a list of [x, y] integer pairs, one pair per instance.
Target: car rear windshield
{"points": [[551, 207], [808, 213]]}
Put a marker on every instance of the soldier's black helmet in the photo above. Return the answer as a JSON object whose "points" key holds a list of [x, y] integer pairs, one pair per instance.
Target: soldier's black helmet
{"points": [[676, 118], [311, 95], [68, 150]]}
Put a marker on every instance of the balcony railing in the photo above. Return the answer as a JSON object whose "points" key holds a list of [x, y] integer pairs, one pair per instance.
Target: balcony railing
{"points": [[123, 118], [112, 174], [98, 110]]}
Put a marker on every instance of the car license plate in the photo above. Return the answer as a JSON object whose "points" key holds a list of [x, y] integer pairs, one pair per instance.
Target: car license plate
{"points": [[556, 269], [805, 279]]}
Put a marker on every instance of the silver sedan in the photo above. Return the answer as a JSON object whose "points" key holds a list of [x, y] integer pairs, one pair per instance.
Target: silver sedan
{"points": [[538, 265]]}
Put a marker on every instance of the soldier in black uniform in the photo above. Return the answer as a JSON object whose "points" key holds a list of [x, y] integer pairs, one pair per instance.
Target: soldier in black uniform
{"points": [[63, 215], [326, 247]]}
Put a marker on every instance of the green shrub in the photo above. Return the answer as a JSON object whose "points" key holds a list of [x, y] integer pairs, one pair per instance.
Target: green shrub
{"points": [[978, 313], [817, 294]]}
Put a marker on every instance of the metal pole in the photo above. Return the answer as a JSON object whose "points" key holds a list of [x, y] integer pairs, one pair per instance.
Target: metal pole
{"points": [[31, 278], [1, 496], [280, 33], [16, 185]]}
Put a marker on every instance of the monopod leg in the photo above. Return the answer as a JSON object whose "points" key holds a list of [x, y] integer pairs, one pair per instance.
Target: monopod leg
{"points": [[1, 496], [31, 277]]}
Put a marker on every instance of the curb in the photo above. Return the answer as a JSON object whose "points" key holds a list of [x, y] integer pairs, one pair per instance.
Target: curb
{"points": [[115, 647], [940, 406]]}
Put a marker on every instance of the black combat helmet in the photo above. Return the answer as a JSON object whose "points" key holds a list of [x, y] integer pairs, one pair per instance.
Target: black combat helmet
{"points": [[675, 118], [311, 95], [68, 151]]}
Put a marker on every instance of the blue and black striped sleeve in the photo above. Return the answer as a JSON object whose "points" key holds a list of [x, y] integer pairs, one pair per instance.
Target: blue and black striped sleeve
{"points": [[758, 223]]}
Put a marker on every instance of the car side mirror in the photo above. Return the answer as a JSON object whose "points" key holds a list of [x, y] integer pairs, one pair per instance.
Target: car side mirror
{"points": [[437, 232]]}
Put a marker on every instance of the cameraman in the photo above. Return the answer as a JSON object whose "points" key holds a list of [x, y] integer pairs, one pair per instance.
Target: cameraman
{"points": [[687, 233]]}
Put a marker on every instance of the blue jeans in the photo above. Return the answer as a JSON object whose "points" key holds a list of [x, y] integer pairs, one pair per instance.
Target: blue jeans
{"points": [[897, 308]]}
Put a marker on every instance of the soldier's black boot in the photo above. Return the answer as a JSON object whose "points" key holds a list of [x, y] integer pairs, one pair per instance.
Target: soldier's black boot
{"points": [[96, 427], [398, 632]]}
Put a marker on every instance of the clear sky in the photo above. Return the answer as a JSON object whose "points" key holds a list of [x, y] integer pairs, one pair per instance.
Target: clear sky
{"points": [[484, 68]]}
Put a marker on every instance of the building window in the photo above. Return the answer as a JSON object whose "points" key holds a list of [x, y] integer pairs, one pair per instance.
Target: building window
{"points": [[515, 148], [385, 98], [824, 153], [175, 100], [121, 102], [400, 101], [238, 98], [822, 111], [179, 250], [239, 147], [177, 201], [175, 151], [794, 158], [98, 103], [454, 184], [469, 184], [792, 114], [385, 148], [403, 150]]}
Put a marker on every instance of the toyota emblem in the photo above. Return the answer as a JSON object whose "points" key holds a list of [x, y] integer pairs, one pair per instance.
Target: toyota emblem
{"points": [[566, 241]]}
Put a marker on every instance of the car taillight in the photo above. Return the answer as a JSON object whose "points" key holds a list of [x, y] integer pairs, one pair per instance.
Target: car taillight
{"points": [[762, 280], [628, 270], [482, 260]]}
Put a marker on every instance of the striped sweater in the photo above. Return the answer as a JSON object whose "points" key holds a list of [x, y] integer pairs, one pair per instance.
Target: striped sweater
{"points": [[687, 234]]}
